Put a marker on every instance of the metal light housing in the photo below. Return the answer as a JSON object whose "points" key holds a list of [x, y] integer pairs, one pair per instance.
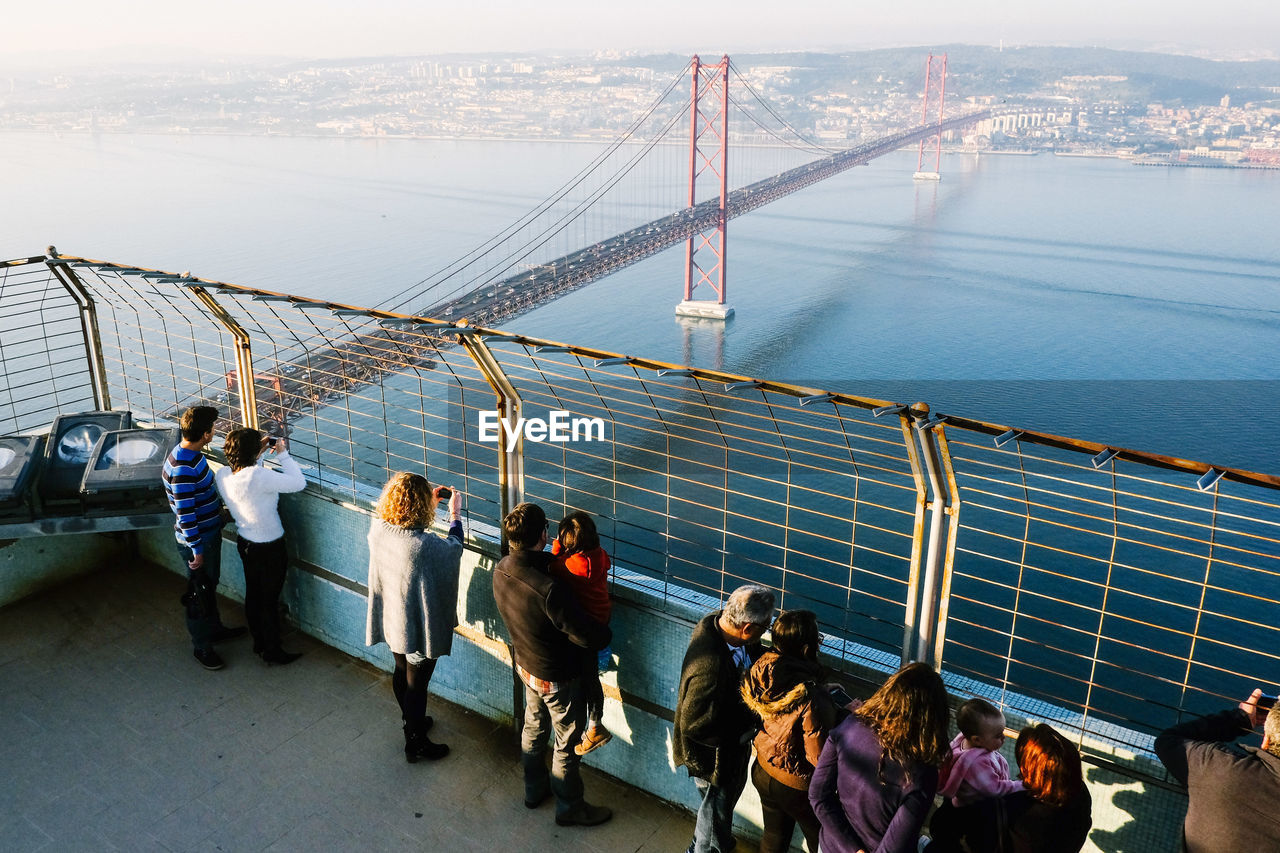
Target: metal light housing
{"points": [[125, 467], [69, 447], [19, 461]]}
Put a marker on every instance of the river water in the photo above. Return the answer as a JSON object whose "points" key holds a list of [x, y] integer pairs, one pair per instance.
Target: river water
{"points": [[1086, 297]]}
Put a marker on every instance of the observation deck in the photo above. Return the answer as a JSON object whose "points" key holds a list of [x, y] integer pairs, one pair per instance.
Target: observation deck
{"points": [[112, 738], [1107, 591]]}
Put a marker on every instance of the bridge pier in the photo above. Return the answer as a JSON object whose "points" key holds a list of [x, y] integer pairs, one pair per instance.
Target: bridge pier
{"points": [[704, 309]]}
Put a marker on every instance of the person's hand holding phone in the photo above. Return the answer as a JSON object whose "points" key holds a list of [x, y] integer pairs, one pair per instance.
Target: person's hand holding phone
{"points": [[1257, 706], [454, 497]]}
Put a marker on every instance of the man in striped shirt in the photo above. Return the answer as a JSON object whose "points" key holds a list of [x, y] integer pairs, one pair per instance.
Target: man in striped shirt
{"points": [[189, 485]]}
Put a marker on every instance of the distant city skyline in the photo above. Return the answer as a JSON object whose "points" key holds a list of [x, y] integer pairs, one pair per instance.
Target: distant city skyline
{"points": [[149, 29]]}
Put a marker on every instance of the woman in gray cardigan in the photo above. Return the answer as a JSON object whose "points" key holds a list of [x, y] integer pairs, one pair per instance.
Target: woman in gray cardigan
{"points": [[413, 596]]}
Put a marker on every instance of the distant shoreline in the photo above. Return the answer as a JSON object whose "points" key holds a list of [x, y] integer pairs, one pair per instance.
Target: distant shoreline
{"points": [[401, 137]]}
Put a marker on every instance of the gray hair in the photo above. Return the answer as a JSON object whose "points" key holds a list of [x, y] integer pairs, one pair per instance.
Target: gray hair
{"points": [[1271, 728], [750, 605]]}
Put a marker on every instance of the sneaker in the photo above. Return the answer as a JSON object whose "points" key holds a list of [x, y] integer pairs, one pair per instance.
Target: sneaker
{"points": [[209, 659], [596, 737], [923, 844], [224, 633], [585, 815]]}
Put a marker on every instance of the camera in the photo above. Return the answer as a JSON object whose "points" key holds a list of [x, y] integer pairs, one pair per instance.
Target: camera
{"points": [[444, 493]]}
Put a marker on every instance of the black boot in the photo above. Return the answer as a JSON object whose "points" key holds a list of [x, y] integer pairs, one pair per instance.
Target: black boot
{"points": [[417, 746]]}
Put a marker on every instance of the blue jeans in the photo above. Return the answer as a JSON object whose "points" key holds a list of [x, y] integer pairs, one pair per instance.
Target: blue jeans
{"points": [[564, 713], [713, 830], [203, 627]]}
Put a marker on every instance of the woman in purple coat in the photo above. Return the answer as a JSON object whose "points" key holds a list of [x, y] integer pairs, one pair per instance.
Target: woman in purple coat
{"points": [[878, 772]]}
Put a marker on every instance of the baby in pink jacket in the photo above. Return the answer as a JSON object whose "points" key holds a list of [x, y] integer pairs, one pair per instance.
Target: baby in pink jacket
{"points": [[976, 769]]}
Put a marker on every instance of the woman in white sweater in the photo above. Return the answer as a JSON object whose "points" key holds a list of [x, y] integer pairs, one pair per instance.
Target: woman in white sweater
{"points": [[252, 492], [413, 596]]}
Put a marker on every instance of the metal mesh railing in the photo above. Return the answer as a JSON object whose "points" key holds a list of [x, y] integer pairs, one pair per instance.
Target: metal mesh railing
{"points": [[42, 349], [1110, 593], [1111, 597], [707, 486]]}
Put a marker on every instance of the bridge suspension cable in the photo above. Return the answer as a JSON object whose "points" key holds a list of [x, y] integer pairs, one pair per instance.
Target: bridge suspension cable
{"points": [[416, 291], [541, 238], [809, 145]]}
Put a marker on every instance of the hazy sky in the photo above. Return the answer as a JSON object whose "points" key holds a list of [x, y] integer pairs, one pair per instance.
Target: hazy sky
{"points": [[333, 28]]}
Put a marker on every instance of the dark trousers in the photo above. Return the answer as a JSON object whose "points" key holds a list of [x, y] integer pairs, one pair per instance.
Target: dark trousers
{"points": [[203, 619], [973, 825], [592, 689], [265, 564], [783, 807]]}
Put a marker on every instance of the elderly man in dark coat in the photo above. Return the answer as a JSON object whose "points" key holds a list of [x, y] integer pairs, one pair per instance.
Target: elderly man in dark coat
{"points": [[713, 727], [1233, 794]]}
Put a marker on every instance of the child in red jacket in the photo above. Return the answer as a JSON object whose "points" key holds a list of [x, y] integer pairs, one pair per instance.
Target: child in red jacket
{"points": [[584, 565]]}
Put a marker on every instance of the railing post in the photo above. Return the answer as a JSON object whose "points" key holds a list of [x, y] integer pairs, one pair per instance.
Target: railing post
{"points": [[952, 511], [510, 467], [911, 627], [244, 354], [935, 584], [507, 404], [61, 270]]}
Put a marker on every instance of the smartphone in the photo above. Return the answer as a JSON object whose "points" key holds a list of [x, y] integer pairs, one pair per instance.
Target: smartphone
{"points": [[1267, 701], [271, 441], [840, 697], [444, 493]]}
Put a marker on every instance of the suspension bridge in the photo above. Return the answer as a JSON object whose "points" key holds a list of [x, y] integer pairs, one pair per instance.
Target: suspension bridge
{"points": [[513, 272], [593, 225]]}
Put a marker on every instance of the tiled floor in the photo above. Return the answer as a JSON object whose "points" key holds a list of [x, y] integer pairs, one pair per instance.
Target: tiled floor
{"points": [[113, 738]]}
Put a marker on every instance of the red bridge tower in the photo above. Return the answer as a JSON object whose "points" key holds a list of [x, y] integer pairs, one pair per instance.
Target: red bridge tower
{"points": [[708, 152], [935, 83]]}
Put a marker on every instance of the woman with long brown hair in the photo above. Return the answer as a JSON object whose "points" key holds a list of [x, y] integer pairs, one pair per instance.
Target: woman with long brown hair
{"points": [[878, 772], [413, 596]]}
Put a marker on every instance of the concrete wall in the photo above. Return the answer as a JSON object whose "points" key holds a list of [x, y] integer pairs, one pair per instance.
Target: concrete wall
{"points": [[31, 564], [325, 595]]}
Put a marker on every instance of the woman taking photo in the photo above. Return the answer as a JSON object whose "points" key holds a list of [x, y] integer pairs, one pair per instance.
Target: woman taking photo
{"points": [[796, 713], [413, 596], [252, 494], [875, 781]]}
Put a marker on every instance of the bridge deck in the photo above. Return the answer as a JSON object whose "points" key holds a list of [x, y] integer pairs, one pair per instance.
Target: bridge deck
{"points": [[111, 737]]}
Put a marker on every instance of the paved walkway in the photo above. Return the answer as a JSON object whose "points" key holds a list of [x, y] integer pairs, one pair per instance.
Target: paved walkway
{"points": [[113, 738]]}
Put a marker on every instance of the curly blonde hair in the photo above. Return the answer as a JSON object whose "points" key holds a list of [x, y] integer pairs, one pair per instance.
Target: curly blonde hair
{"points": [[407, 500]]}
